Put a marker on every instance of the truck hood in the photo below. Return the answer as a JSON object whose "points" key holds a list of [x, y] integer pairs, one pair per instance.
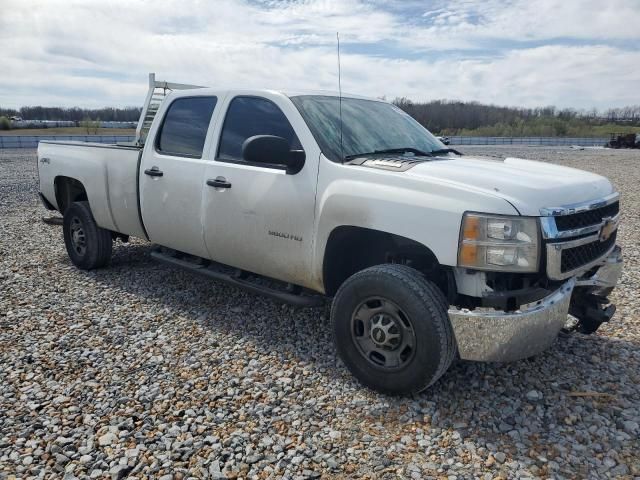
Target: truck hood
{"points": [[526, 184]]}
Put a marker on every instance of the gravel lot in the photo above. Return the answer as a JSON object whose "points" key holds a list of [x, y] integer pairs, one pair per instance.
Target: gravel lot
{"points": [[140, 370]]}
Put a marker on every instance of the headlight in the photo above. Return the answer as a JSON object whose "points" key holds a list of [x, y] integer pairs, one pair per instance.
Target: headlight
{"points": [[491, 242]]}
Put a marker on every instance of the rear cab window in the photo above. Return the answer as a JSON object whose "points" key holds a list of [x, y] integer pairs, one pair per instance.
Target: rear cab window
{"points": [[249, 116], [184, 128]]}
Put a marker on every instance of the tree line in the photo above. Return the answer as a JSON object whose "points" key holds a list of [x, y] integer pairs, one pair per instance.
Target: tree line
{"points": [[446, 117], [75, 114], [451, 117]]}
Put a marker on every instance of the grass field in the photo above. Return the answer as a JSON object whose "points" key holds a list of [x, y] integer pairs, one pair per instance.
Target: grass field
{"points": [[68, 131]]}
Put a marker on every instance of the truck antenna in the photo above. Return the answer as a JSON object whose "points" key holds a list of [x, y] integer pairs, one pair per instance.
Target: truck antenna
{"points": [[340, 97]]}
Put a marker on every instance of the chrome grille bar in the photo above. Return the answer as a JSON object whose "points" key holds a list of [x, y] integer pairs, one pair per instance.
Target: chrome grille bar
{"points": [[550, 230], [558, 241], [579, 207]]}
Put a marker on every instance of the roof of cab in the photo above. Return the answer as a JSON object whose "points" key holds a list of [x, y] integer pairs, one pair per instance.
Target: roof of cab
{"points": [[327, 93], [287, 93]]}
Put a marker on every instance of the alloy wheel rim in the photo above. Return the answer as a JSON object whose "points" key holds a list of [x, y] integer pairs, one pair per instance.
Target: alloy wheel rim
{"points": [[383, 333]]}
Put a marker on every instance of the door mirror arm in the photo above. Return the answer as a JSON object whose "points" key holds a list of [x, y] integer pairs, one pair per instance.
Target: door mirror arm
{"points": [[273, 150]]}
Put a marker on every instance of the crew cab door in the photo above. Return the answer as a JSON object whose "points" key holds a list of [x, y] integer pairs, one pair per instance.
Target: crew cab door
{"points": [[172, 175], [257, 217]]}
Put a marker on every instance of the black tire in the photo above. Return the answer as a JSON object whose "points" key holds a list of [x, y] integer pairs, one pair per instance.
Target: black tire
{"points": [[417, 302], [90, 247]]}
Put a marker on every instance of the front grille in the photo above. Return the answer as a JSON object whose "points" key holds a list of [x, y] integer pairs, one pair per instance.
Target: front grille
{"points": [[585, 219], [576, 257]]}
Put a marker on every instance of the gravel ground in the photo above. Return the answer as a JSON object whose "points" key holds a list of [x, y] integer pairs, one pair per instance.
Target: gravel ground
{"points": [[139, 370]]}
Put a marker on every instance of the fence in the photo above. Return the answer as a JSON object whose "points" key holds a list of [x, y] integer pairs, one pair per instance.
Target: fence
{"points": [[31, 141], [550, 141], [26, 124]]}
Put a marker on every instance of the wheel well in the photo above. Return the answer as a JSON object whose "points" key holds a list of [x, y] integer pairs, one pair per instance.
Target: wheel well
{"points": [[68, 190], [351, 249]]}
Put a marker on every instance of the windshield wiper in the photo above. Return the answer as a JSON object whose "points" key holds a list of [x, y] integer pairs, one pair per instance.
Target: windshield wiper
{"points": [[445, 150], [415, 151]]}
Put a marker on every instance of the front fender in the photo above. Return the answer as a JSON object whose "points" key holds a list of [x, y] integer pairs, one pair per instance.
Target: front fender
{"points": [[427, 213]]}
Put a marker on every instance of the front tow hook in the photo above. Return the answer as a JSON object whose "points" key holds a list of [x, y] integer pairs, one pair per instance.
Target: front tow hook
{"points": [[590, 313]]}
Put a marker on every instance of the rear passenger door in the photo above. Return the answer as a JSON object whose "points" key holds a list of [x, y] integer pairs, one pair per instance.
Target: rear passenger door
{"points": [[172, 175], [262, 221]]}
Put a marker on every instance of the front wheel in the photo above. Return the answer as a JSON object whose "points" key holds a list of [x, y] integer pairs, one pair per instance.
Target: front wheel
{"points": [[392, 330], [88, 245]]}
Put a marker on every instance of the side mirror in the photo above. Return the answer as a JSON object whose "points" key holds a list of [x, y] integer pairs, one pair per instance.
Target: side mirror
{"points": [[273, 150]]}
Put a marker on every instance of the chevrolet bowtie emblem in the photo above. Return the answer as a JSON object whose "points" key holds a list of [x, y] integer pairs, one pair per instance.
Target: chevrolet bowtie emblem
{"points": [[607, 229]]}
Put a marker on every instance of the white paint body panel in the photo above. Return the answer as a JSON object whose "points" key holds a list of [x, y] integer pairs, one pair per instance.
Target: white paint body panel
{"points": [[265, 222], [180, 211], [172, 205], [526, 184], [108, 173], [429, 212]]}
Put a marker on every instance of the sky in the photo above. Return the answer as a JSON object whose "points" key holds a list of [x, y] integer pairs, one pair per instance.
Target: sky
{"points": [[581, 54]]}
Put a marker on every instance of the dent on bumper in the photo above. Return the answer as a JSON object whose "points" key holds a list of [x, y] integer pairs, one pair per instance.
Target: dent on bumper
{"points": [[493, 336]]}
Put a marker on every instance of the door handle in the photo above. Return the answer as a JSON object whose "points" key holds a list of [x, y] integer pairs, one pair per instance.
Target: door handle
{"points": [[153, 172], [219, 182]]}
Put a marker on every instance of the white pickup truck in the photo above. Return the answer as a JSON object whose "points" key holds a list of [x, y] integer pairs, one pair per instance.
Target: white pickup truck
{"points": [[428, 255]]}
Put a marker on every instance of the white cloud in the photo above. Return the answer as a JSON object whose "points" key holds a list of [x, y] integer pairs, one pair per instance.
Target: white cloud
{"points": [[95, 53], [469, 24]]}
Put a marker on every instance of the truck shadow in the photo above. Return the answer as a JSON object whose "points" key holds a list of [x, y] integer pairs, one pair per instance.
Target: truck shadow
{"points": [[527, 410]]}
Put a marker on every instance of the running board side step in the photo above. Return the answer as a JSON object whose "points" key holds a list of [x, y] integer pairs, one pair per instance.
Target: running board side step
{"points": [[52, 220], [282, 296]]}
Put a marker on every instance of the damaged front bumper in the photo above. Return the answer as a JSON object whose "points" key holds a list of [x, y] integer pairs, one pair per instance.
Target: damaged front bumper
{"points": [[495, 336]]}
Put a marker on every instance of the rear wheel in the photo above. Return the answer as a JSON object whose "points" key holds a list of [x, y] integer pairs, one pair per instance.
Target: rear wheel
{"points": [[88, 245], [392, 330]]}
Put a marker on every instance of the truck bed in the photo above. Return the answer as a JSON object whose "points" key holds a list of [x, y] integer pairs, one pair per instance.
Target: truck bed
{"points": [[109, 174]]}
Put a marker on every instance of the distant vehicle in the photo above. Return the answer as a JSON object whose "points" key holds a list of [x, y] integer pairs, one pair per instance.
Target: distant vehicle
{"points": [[428, 255], [444, 140], [623, 140], [42, 123], [15, 119]]}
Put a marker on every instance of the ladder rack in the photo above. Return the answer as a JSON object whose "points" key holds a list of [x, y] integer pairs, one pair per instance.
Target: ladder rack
{"points": [[158, 90]]}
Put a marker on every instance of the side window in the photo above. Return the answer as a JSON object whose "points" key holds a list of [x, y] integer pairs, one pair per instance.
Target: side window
{"points": [[249, 116], [184, 128]]}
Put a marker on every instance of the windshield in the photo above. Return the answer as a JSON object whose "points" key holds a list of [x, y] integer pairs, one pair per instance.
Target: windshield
{"points": [[368, 125]]}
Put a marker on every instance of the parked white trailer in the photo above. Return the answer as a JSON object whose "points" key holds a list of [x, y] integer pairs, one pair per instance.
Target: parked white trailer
{"points": [[428, 255]]}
